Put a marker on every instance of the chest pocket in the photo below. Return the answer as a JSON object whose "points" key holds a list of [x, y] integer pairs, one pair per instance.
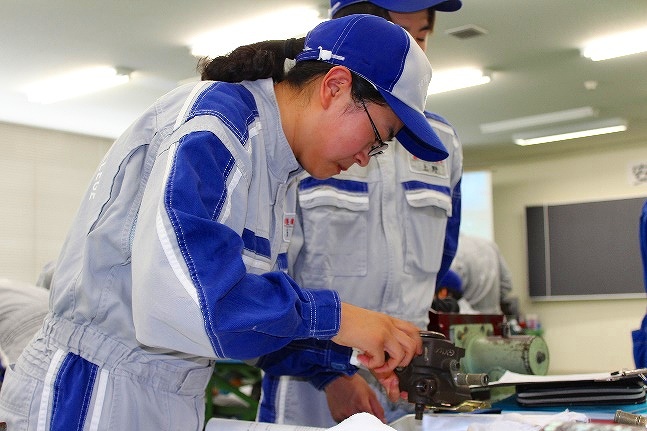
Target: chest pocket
{"points": [[428, 207], [334, 216]]}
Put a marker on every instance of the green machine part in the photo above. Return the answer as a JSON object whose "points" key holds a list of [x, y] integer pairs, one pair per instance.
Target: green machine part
{"points": [[486, 353]]}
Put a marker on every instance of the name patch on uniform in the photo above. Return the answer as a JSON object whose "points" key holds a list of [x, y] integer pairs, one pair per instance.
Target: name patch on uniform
{"points": [[436, 169], [288, 226]]}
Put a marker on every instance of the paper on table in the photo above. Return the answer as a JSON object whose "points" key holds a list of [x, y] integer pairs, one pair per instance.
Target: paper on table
{"points": [[358, 421], [510, 378], [484, 422], [220, 424]]}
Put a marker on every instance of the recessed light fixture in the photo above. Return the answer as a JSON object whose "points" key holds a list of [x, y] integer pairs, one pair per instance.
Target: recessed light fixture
{"points": [[617, 45], [573, 131], [455, 79], [76, 83], [538, 120], [294, 22]]}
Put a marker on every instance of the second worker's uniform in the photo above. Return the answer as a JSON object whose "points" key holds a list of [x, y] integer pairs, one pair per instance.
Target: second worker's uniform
{"points": [[379, 236]]}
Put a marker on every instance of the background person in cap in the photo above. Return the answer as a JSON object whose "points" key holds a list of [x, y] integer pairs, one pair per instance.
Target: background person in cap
{"points": [[379, 235], [487, 282], [177, 253], [449, 295]]}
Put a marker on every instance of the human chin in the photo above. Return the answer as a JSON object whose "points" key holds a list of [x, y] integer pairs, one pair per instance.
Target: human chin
{"points": [[323, 170]]}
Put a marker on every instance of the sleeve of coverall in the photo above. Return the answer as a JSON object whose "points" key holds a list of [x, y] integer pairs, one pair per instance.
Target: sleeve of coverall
{"points": [[191, 290], [319, 361], [451, 233], [506, 286], [454, 222]]}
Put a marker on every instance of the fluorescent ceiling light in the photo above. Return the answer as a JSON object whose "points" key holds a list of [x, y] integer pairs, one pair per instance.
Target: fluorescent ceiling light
{"points": [[281, 24], [574, 131], [455, 79], [538, 120], [617, 45], [77, 83]]}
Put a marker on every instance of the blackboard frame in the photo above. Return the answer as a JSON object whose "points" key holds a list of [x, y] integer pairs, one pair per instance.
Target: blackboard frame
{"points": [[584, 251]]}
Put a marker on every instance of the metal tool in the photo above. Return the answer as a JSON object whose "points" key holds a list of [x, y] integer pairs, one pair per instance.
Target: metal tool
{"points": [[489, 346], [622, 417], [433, 379]]}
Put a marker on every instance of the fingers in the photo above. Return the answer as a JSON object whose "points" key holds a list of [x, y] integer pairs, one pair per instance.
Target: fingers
{"points": [[376, 333], [348, 395], [391, 384], [403, 347]]}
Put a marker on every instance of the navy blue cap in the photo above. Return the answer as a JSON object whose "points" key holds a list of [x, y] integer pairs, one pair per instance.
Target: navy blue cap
{"points": [[401, 6], [451, 281], [386, 56]]}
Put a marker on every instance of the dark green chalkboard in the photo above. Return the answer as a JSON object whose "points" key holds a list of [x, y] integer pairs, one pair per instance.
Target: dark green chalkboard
{"points": [[585, 250]]}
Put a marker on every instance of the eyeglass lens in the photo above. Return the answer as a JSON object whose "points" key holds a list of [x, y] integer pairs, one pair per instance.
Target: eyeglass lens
{"points": [[380, 145]]}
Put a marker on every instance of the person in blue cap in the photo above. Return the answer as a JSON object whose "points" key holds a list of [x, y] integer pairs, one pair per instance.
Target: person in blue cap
{"points": [[449, 295], [177, 254], [380, 235]]}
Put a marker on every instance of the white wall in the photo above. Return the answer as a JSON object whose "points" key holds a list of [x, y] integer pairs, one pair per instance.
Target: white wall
{"points": [[582, 336], [43, 175]]}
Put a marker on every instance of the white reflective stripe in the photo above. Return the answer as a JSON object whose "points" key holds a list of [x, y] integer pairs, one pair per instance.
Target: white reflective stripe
{"points": [[226, 210], [165, 242], [282, 394], [422, 194], [45, 397], [172, 259], [256, 263], [182, 114], [254, 130], [98, 400], [305, 196]]}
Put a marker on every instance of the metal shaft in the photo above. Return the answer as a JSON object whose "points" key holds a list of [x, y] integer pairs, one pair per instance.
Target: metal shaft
{"points": [[622, 417]]}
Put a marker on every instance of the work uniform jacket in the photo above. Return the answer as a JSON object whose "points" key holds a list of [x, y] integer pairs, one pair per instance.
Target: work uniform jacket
{"points": [[380, 236], [176, 257]]}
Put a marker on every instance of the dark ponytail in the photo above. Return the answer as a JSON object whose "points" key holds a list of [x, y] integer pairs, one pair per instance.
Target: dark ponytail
{"points": [[267, 60], [251, 62]]}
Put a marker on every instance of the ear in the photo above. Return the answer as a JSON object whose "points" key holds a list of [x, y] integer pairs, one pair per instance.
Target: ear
{"points": [[335, 84]]}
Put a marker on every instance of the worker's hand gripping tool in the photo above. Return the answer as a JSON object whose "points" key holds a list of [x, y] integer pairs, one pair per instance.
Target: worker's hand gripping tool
{"points": [[434, 379]]}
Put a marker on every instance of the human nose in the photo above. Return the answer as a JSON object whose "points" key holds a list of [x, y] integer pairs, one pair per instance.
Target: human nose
{"points": [[362, 158]]}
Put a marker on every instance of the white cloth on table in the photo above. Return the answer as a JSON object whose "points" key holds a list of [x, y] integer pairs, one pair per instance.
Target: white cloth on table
{"points": [[363, 422]]}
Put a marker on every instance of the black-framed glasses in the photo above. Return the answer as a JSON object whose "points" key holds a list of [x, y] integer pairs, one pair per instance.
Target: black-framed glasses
{"points": [[380, 145]]}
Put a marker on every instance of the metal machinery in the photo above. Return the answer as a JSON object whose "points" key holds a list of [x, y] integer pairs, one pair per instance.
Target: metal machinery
{"points": [[489, 346], [433, 379], [462, 353]]}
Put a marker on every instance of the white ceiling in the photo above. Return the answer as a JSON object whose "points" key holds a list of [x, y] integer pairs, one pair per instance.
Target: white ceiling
{"points": [[531, 46]]}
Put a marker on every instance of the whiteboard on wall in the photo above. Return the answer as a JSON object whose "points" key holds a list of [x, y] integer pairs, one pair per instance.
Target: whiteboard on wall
{"points": [[477, 213]]}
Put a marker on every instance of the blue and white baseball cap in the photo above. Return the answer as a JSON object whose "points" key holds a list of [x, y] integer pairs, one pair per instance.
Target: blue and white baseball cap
{"points": [[401, 6], [387, 56]]}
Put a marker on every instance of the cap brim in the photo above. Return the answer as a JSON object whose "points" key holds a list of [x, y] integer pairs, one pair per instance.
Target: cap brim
{"points": [[417, 135], [406, 6]]}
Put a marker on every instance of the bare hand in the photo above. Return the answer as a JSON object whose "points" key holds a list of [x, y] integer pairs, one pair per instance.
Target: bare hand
{"points": [[348, 395], [391, 384], [376, 333]]}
